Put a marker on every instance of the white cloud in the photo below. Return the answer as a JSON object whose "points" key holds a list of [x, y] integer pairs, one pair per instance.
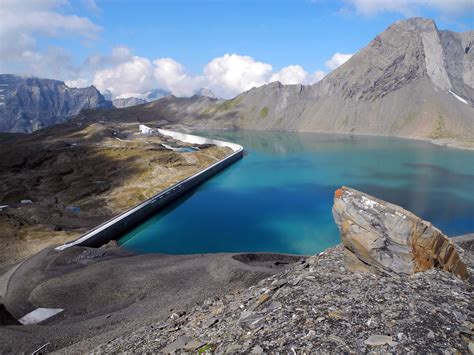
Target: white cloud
{"points": [[337, 60], [408, 7], [295, 74], [133, 75], [120, 54], [231, 74], [171, 76], [78, 83], [292, 74], [317, 76], [53, 62], [122, 74], [23, 22]]}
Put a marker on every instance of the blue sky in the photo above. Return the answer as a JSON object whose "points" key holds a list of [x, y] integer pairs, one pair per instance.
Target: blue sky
{"points": [[279, 32], [193, 33]]}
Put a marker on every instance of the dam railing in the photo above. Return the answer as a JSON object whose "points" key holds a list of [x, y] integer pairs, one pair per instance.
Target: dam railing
{"points": [[117, 225]]}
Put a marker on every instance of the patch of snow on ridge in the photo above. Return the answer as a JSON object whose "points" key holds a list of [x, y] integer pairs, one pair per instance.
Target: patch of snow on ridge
{"points": [[148, 96], [127, 96], [458, 97]]}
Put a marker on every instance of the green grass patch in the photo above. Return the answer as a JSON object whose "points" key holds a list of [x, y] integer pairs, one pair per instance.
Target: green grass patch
{"points": [[345, 121], [264, 112], [405, 121], [223, 106], [206, 348], [440, 130]]}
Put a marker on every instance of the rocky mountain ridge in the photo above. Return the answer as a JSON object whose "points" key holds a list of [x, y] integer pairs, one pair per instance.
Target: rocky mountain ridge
{"points": [[129, 100], [28, 104], [412, 80]]}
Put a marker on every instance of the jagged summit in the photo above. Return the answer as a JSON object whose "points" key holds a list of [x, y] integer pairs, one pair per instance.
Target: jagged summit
{"points": [[30, 103], [417, 24], [412, 80]]}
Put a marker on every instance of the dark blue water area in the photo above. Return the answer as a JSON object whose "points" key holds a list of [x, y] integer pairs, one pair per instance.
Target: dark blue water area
{"points": [[278, 198]]}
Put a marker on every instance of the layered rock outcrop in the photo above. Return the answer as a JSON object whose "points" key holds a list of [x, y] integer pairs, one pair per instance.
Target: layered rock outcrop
{"points": [[29, 104], [382, 237]]}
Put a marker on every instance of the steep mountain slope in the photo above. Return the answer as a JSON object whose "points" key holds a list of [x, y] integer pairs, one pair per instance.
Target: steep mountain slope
{"points": [[28, 104], [412, 81]]}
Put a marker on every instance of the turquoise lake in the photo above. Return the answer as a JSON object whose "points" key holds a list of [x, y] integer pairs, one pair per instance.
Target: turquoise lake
{"points": [[278, 198]]}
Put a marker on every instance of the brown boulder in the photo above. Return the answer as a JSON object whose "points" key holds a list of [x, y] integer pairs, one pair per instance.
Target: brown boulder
{"points": [[382, 237]]}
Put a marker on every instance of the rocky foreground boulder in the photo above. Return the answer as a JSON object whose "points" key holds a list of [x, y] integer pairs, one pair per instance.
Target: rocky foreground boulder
{"points": [[381, 237]]}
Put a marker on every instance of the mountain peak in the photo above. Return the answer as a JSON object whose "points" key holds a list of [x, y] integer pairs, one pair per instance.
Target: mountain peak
{"points": [[206, 92], [30, 103], [411, 80], [419, 24]]}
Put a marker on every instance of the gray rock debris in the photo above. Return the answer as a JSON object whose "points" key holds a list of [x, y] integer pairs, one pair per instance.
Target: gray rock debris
{"points": [[321, 306]]}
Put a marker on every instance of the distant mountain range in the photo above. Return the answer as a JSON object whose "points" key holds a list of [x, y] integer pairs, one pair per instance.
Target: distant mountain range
{"points": [[412, 80], [128, 100], [28, 104]]}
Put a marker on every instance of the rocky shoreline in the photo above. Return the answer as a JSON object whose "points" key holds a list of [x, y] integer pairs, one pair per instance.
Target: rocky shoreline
{"points": [[318, 305], [396, 284], [454, 143], [116, 302]]}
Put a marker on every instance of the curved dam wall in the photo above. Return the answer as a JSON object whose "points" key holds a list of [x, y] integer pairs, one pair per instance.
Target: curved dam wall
{"points": [[109, 230]]}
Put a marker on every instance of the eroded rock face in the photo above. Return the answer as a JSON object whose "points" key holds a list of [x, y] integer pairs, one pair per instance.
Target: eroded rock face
{"points": [[381, 237], [29, 104]]}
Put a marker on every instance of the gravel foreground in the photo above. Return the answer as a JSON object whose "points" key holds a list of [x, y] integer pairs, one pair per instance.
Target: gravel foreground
{"points": [[318, 305], [108, 293]]}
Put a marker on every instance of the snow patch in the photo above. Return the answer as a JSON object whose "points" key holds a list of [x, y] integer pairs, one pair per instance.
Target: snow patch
{"points": [[145, 129], [127, 96], [39, 315], [458, 97]]}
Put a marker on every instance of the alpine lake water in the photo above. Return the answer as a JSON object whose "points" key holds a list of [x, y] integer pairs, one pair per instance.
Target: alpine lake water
{"points": [[278, 198]]}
